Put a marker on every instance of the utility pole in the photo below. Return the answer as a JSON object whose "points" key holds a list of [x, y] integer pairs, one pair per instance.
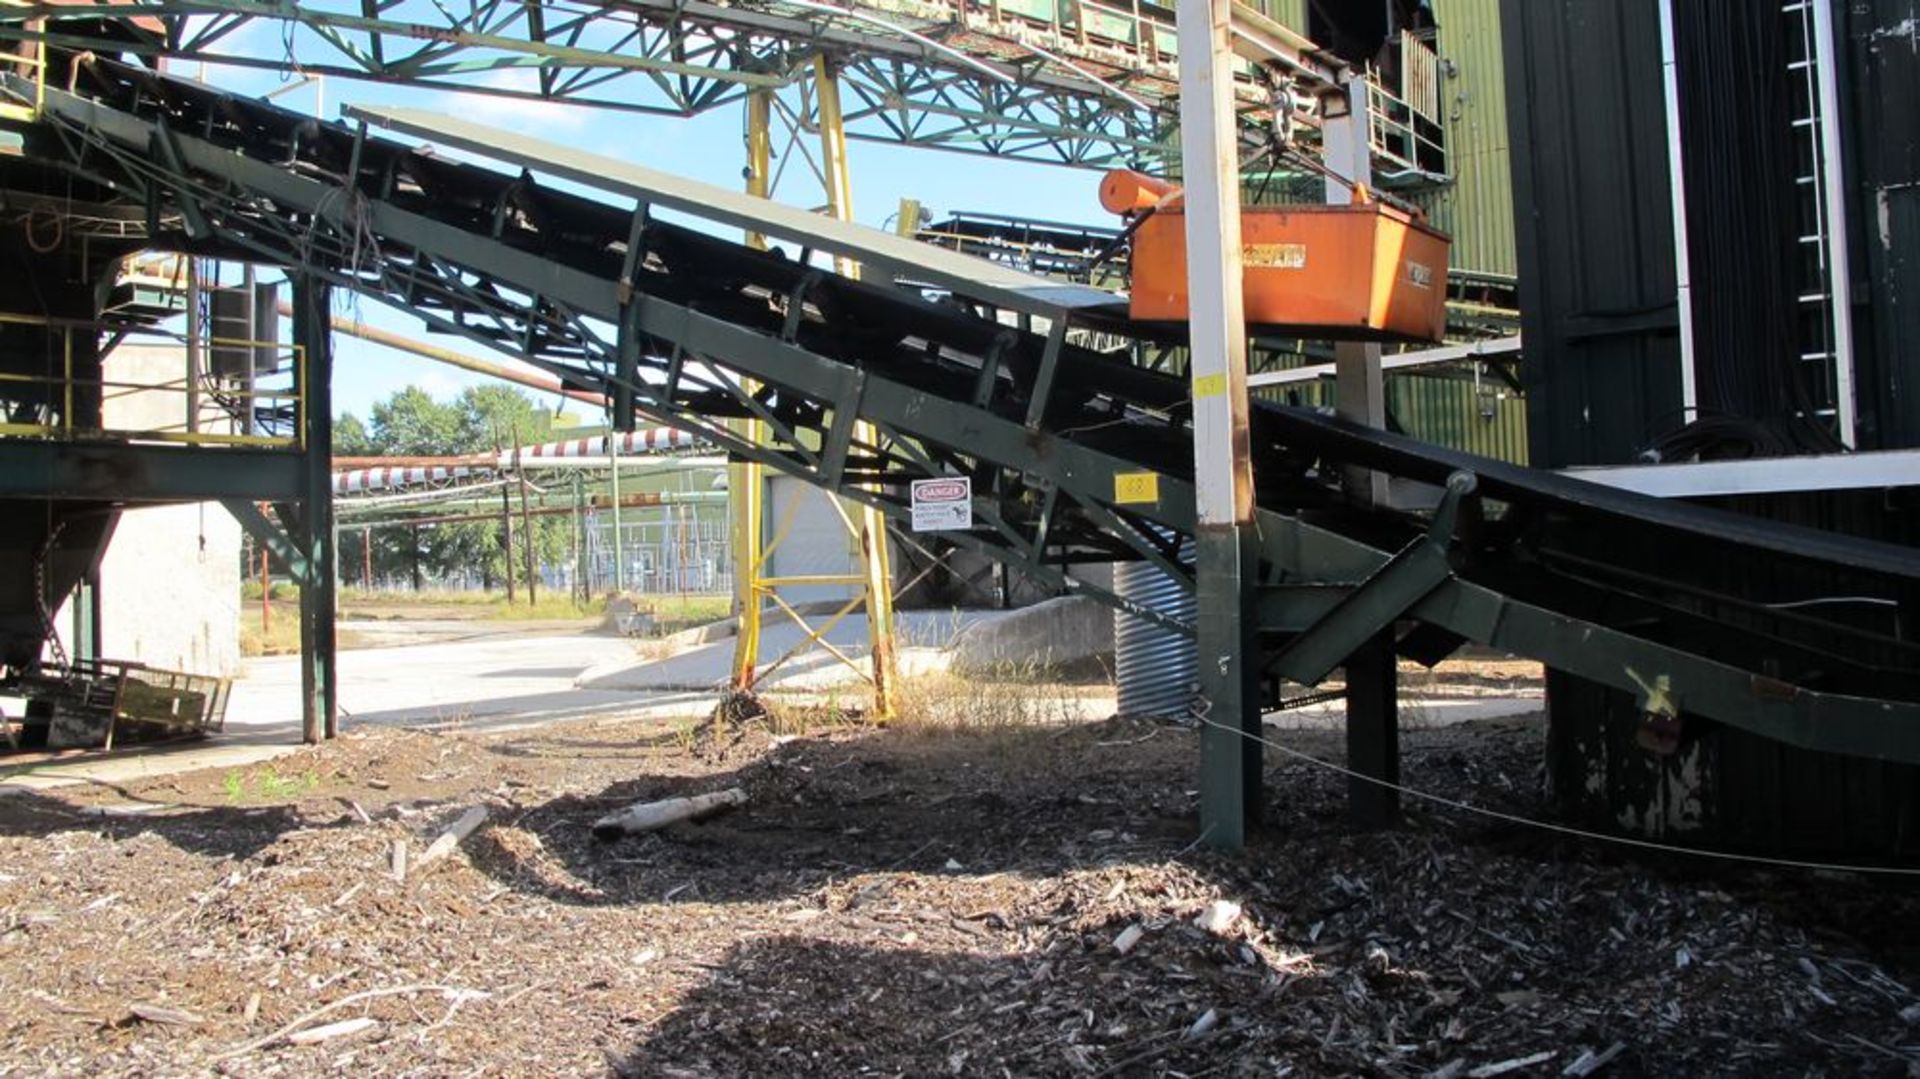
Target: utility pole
{"points": [[613, 458], [526, 524], [1227, 559], [506, 541]]}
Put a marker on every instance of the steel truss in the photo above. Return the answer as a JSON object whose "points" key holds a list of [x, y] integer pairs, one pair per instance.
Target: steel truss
{"points": [[956, 75], [678, 324]]}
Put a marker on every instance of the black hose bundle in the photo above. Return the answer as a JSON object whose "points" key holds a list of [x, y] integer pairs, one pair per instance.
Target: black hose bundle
{"points": [[1743, 224]]}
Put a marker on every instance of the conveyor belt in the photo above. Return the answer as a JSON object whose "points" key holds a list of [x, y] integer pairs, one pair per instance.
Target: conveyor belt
{"points": [[1409, 457], [670, 321]]}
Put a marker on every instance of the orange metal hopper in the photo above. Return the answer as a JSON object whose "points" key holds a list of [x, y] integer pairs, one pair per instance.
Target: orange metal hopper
{"points": [[1366, 271]]}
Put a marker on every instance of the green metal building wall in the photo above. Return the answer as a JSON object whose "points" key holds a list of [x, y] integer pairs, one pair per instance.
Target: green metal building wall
{"points": [[1477, 207]]}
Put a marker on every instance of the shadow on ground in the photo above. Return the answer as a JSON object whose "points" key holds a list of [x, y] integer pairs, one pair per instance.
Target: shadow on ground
{"points": [[1031, 801], [237, 830]]}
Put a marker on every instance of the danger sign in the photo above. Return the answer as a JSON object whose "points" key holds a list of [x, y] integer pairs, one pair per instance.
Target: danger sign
{"points": [[942, 505]]}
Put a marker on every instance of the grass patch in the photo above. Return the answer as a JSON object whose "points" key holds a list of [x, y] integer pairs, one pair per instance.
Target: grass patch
{"points": [[671, 614], [280, 638], [267, 784], [548, 607], [1013, 698]]}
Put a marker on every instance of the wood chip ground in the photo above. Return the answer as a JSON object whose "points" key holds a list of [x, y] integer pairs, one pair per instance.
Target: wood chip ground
{"points": [[905, 902]]}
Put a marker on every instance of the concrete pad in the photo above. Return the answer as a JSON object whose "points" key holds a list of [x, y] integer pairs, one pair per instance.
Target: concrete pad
{"points": [[483, 682], [1051, 633], [923, 639], [1420, 712], [487, 682]]}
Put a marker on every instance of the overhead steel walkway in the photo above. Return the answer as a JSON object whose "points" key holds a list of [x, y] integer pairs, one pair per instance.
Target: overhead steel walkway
{"points": [[968, 368]]}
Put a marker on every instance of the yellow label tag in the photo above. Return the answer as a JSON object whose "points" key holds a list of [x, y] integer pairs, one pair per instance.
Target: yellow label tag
{"points": [[1209, 386], [1275, 256], [1136, 487]]}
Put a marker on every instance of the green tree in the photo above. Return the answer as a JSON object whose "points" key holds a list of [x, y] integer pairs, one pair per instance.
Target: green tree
{"points": [[412, 423], [481, 420], [350, 437]]}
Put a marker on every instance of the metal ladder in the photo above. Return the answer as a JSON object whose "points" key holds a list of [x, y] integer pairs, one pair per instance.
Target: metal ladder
{"points": [[1824, 297]]}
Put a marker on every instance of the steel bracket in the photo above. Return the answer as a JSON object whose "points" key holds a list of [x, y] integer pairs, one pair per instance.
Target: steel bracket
{"points": [[1380, 600], [636, 235], [269, 535], [1043, 378]]}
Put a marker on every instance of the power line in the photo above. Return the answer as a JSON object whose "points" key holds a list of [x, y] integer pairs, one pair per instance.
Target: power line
{"points": [[1560, 829]]}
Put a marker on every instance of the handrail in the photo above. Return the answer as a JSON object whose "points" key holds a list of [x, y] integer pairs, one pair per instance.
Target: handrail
{"points": [[68, 387], [27, 113]]}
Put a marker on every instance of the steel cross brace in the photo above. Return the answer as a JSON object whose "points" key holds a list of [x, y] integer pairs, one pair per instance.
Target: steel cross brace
{"points": [[1378, 602], [272, 537]]}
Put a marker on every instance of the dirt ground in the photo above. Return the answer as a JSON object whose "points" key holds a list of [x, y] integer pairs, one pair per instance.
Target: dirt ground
{"points": [[994, 900]]}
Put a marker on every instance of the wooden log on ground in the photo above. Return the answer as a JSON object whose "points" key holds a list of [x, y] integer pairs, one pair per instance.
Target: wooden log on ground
{"points": [[651, 816], [443, 844]]}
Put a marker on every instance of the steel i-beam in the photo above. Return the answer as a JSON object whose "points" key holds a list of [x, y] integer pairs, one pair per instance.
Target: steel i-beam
{"points": [[319, 667], [875, 563]]}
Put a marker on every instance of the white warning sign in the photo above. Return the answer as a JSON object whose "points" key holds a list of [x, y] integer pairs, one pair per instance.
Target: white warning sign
{"points": [[942, 505]]}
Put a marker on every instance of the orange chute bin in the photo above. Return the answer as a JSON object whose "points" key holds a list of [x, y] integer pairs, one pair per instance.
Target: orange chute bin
{"points": [[1364, 271], [1124, 191]]}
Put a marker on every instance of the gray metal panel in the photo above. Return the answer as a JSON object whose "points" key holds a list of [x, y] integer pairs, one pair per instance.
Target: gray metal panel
{"points": [[1884, 77], [816, 542], [902, 257], [1594, 227]]}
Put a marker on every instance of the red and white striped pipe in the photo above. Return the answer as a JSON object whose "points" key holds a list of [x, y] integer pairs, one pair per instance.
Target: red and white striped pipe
{"points": [[401, 473]]}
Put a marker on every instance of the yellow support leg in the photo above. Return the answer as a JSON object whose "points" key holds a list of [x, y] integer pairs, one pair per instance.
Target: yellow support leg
{"points": [[746, 481], [873, 526]]}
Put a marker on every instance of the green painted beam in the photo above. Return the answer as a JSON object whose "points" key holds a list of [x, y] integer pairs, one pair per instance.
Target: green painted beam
{"points": [[118, 472], [269, 535]]}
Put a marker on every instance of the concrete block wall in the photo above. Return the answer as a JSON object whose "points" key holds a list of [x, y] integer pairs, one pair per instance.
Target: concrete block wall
{"points": [[170, 578], [170, 589]]}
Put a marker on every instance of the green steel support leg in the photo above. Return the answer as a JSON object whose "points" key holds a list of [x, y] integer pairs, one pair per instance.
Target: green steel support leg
{"points": [[1373, 732], [319, 670], [1231, 791]]}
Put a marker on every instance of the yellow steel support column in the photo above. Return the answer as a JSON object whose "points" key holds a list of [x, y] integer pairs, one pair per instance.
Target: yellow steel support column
{"points": [[746, 481], [873, 525]]}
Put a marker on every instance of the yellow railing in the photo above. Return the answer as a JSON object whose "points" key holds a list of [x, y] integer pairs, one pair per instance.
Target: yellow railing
{"points": [[193, 422], [10, 110]]}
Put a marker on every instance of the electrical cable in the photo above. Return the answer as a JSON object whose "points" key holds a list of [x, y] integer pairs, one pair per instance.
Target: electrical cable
{"points": [[1560, 829], [1744, 217]]}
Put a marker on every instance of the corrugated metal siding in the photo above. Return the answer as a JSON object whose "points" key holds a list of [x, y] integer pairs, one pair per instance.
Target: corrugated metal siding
{"points": [[1154, 668], [1486, 417], [1597, 288], [1477, 208], [1291, 14]]}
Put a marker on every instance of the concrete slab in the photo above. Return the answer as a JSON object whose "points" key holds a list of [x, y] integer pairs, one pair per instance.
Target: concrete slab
{"points": [[482, 682], [1425, 711], [486, 682], [923, 639]]}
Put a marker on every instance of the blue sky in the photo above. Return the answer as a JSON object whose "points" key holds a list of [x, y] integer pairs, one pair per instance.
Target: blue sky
{"points": [[707, 147]]}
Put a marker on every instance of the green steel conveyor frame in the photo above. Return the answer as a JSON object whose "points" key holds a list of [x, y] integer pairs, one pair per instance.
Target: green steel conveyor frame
{"points": [[678, 323]]}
